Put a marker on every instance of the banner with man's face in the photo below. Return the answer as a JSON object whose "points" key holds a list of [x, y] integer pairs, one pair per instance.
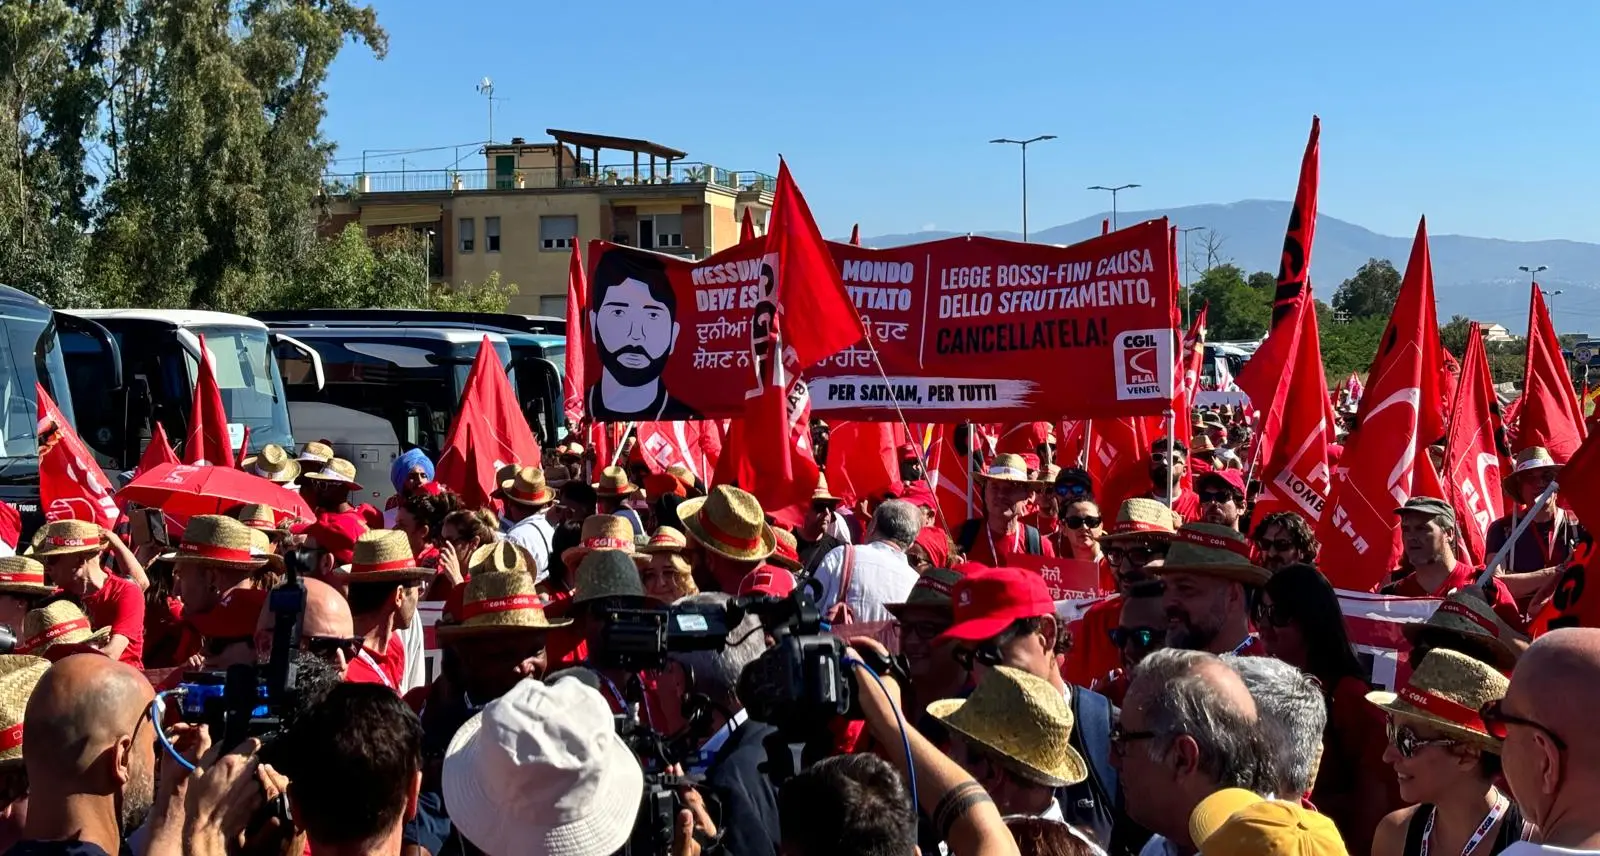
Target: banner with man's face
{"points": [[962, 328]]}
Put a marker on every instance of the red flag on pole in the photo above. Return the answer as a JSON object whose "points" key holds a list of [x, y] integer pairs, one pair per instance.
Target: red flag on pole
{"points": [[815, 315], [1550, 415], [1296, 477], [1269, 370], [1399, 418], [951, 474], [489, 432], [158, 451], [747, 226], [1474, 455], [208, 441], [71, 485], [855, 234], [577, 299], [863, 460], [696, 445]]}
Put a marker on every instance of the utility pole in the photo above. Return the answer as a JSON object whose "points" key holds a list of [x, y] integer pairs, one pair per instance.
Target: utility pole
{"points": [[1024, 145]]}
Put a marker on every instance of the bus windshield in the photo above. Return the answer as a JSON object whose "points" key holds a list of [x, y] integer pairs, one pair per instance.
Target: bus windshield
{"points": [[252, 389], [31, 355]]}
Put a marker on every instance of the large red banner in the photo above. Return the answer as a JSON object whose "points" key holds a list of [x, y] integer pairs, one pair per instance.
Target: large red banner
{"points": [[969, 328]]}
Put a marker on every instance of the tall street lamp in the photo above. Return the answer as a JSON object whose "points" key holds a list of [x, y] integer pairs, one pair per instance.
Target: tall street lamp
{"points": [[1024, 145], [1114, 191], [1533, 272]]}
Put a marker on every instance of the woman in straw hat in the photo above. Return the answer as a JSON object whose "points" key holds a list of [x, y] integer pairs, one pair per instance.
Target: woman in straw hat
{"points": [[1446, 761], [1008, 495], [668, 576]]}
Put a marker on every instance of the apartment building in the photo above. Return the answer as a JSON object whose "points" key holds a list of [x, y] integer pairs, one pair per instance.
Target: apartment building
{"points": [[520, 213]]}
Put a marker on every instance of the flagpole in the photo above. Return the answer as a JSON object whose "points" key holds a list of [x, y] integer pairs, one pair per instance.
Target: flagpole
{"points": [[622, 441], [1516, 532], [1172, 435], [1088, 440]]}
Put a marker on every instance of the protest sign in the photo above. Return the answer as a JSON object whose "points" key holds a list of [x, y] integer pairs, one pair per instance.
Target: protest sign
{"points": [[1067, 579]]}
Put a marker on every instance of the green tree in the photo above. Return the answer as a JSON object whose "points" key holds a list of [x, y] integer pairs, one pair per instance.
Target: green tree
{"points": [[1350, 346], [1455, 334], [1237, 310], [351, 271], [1371, 292], [1264, 282]]}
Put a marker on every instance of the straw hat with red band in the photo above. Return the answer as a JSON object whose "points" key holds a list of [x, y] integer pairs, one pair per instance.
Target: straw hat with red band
{"points": [[60, 622], [261, 517], [527, 486], [337, 471], [614, 482], [272, 464], [821, 493], [1142, 518], [1529, 460], [666, 540], [60, 537], [604, 532], [729, 523], [786, 555], [20, 575], [19, 674], [500, 597], [1468, 617], [213, 539], [1213, 551], [1445, 692], [1011, 468], [383, 556]]}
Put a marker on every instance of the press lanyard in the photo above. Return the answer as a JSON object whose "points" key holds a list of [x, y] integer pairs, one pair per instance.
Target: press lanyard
{"points": [[366, 657], [1016, 545], [1489, 820], [1248, 641]]}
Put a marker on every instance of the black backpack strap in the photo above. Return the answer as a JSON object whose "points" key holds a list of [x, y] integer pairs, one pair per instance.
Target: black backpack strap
{"points": [[1091, 715], [1033, 546], [967, 535]]}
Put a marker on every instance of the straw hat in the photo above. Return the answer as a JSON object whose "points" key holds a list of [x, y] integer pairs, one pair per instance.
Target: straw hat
{"points": [[526, 486], [573, 449], [1528, 460], [821, 493], [1202, 443], [1143, 518], [1021, 720], [500, 597], [1446, 691], [261, 518], [666, 540], [1214, 551], [1009, 468], [316, 453], [1467, 616], [383, 556], [60, 622], [60, 537], [604, 532], [682, 474], [605, 574], [787, 553], [338, 471], [213, 539], [21, 575], [729, 523], [614, 481], [272, 464], [19, 674], [555, 475]]}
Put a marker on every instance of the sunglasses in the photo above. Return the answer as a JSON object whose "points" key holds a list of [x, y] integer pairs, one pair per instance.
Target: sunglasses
{"points": [[1274, 614], [1220, 497], [1138, 555], [214, 647], [1495, 719], [1072, 489], [326, 646], [928, 630], [1276, 545], [1407, 741], [1075, 521], [1143, 637], [988, 654], [1120, 739]]}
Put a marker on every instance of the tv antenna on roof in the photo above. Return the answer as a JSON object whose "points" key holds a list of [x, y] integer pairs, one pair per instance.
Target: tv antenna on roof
{"points": [[486, 89]]}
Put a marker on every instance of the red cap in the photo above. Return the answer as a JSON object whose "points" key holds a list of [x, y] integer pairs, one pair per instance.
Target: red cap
{"points": [[908, 452], [233, 618], [1233, 479], [661, 484], [1031, 460], [918, 494], [336, 533], [986, 602], [767, 580]]}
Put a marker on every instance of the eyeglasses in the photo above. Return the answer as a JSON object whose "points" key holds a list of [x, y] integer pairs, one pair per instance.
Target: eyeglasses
{"points": [[988, 654], [326, 646], [1138, 555], [1075, 521], [1275, 614], [1143, 637], [1407, 741], [1219, 497], [1072, 489], [1495, 719], [1120, 738], [928, 630], [1276, 545]]}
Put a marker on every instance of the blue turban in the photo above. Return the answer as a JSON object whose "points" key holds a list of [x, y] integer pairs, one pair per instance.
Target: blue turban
{"points": [[403, 466]]}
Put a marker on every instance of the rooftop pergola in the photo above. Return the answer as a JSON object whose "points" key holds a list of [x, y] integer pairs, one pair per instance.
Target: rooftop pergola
{"points": [[596, 142]]}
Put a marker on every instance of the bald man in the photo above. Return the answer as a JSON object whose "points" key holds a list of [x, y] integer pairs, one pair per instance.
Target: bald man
{"points": [[90, 755], [1188, 730], [1551, 755], [327, 629]]}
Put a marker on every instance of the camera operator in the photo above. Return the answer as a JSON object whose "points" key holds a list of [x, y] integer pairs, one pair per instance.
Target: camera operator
{"points": [[733, 755], [609, 579]]}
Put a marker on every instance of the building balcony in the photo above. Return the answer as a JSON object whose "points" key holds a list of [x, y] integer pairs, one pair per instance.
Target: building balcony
{"points": [[619, 176]]}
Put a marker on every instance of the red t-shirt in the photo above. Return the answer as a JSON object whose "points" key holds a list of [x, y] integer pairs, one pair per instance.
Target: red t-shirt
{"points": [[388, 668], [564, 646], [1503, 604], [119, 605], [1092, 655], [1010, 545], [168, 639], [1186, 504]]}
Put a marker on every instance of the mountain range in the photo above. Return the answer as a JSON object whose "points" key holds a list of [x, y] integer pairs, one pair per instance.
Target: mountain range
{"points": [[1475, 277]]}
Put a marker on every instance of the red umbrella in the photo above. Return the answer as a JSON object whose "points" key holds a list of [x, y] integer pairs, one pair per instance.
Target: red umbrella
{"points": [[182, 491]]}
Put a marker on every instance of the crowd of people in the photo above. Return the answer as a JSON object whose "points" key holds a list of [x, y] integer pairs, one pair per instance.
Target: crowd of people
{"points": [[1211, 703]]}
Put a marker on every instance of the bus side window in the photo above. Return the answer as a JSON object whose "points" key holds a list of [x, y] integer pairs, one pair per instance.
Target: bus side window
{"points": [[295, 366]]}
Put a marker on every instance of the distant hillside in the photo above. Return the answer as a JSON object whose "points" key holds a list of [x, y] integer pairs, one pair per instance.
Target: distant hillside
{"points": [[1476, 277]]}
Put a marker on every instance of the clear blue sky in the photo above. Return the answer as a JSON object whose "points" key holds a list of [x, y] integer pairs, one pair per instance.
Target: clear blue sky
{"points": [[1479, 114]]}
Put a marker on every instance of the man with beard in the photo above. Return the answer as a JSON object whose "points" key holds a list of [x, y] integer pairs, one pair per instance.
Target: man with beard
{"points": [[1427, 534], [1208, 576], [1284, 538], [633, 323], [90, 756], [1221, 497], [815, 535], [1168, 462]]}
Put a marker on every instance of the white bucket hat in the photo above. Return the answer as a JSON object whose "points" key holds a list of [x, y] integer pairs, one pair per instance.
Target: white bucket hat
{"points": [[541, 772]]}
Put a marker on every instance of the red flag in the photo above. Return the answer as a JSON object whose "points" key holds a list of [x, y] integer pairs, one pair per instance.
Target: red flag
{"points": [[770, 458], [244, 445], [71, 485], [208, 441], [863, 460], [1070, 437], [814, 312], [1270, 368], [1550, 415], [158, 452], [1473, 460], [696, 445], [747, 226], [489, 432], [1399, 418], [1296, 478], [1119, 459], [855, 234], [1019, 438], [577, 299], [951, 474]]}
